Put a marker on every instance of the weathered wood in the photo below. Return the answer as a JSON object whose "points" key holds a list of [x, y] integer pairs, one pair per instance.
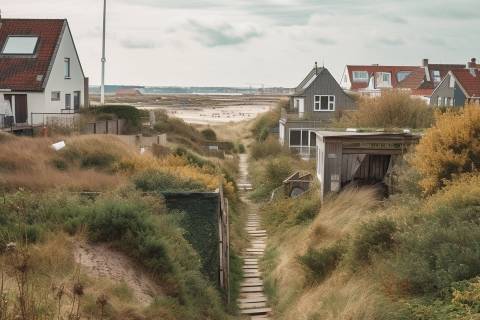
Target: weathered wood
{"points": [[252, 305], [253, 299], [256, 311]]}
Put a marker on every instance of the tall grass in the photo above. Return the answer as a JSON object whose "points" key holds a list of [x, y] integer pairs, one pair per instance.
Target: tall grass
{"points": [[393, 109]]}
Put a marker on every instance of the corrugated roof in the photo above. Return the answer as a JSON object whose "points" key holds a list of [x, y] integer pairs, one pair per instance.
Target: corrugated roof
{"points": [[29, 72]]}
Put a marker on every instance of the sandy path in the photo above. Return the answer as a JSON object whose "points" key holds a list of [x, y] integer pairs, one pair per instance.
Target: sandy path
{"points": [[102, 262]]}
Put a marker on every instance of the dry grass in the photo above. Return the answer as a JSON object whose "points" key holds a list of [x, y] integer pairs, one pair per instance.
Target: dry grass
{"points": [[341, 296], [32, 164]]}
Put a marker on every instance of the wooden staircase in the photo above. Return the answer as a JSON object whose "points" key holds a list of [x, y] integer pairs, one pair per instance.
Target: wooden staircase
{"points": [[252, 301]]}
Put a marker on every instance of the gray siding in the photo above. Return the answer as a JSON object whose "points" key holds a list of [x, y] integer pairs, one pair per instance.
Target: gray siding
{"points": [[443, 90], [325, 84]]}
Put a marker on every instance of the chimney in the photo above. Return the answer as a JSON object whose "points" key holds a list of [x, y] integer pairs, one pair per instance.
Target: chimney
{"points": [[472, 67], [425, 62], [316, 68]]}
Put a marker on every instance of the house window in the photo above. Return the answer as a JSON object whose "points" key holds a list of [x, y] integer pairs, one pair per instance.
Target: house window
{"points": [[76, 100], [67, 68], [360, 76], [402, 75], [20, 45], [68, 101], [439, 101], [55, 96], [436, 76], [324, 103], [300, 138], [383, 79]]}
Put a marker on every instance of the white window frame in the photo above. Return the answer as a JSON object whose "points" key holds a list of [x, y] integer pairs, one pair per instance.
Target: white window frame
{"points": [[452, 82], [56, 96], [356, 78], [317, 104], [68, 100], [11, 37], [68, 68], [301, 137], [439, 101]]}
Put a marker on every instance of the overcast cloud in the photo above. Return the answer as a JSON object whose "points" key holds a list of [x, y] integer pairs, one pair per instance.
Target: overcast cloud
{"points": [[254, 42]]}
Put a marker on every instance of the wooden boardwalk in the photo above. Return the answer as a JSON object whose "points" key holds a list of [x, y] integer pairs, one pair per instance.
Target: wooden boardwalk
{"points": [[252, 301]]}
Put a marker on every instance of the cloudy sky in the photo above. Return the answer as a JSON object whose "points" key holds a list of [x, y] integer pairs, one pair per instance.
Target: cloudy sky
{"points": [[254, 42]]}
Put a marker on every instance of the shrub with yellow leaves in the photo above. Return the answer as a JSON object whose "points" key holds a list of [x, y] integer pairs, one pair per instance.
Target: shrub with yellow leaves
{"points": [[451, 147]]}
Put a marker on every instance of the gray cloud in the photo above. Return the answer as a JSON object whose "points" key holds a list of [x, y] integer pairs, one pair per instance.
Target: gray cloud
{"points": [[222, 35], [134, 43], [325, 41], [391, 42]]}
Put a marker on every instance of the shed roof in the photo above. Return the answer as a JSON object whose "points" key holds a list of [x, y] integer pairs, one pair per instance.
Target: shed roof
{"points": [[347, 134]]}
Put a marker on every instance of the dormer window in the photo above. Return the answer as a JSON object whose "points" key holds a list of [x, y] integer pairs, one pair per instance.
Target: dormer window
{"points": [[402, 75], [384, 79], [360, 76], [436, 76], [20, 45]]}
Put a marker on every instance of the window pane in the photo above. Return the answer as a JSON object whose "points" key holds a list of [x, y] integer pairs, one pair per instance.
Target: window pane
{"points": [[20, 45], [317, 98], [295, 137], [68, 98], [313, 139], [324, 103], [304, 137], [67, 67], [331, 98]]}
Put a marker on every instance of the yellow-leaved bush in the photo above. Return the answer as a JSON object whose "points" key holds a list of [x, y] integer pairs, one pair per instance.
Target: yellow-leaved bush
{"points": [[177, 166], [451, 147]]}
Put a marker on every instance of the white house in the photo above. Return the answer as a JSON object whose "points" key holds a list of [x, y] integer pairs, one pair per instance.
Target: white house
{"points": [[40, 71]]}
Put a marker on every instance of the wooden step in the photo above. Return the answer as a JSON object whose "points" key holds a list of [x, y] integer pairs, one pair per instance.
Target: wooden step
{"points": [[256, 311], [252, 305], [251, 289], [253, 299]]}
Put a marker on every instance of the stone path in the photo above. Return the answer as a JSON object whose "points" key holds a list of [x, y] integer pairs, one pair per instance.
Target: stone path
{"points": [[252, 301]]}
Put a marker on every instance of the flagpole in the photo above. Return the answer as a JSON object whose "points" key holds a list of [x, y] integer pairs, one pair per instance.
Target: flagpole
{"points": [[102, 88]]}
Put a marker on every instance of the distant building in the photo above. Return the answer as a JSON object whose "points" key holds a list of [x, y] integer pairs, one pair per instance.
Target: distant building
{"points": [[317, 101], [458, 87], [40, 71], [129, 92], [418, 81], [371, 80]]}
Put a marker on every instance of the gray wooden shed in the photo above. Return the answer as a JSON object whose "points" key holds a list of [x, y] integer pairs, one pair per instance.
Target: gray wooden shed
{"points": [[366, 157]]}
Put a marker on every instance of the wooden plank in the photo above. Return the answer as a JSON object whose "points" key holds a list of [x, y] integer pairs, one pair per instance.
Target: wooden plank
{"points": [[251, 284], [253, 275], [253, 299], [252, 305], [252, 289], [256, 311]]}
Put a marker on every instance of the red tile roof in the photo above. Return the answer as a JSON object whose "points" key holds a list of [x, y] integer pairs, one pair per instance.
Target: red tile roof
{"points": [[373, 69], [470, 83], [23, 73]]}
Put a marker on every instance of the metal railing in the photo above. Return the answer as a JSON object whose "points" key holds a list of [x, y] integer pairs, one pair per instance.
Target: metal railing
{"points": [[304, 151], [68, 119], [307, 116]]}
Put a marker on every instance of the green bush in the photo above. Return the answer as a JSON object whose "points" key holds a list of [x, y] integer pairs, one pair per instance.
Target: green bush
{"points": [[272, 177], [307, 210], [241, 148], [266, 148], [443, 248], [209, 134], [156, 181], [372, 238], [320, 263], [131, 114], [266, 122]]}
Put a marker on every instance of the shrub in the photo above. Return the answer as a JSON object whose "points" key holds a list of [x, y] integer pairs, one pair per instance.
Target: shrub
{"points": [[157, 181], [272, 177], [372, 238], [131, 114], [307, 209], [268, 148], [262, 126], [320, 263], [444, 248], [449, 148], [241, 148], [209, 134], [393, 109]]}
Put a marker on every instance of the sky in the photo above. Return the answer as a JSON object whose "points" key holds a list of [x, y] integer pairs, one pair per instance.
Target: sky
{"points": [[257, 42]]}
